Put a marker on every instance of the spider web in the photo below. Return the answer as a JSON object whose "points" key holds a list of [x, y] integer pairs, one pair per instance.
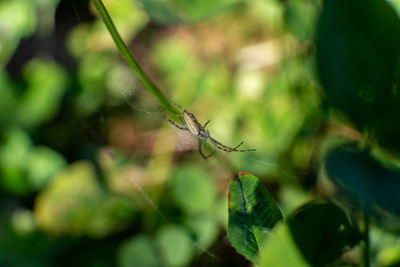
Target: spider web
{"points": [[184, 142]]}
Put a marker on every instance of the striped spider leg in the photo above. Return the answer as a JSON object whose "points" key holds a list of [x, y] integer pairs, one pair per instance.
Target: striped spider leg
{"points": [[198, 130]]}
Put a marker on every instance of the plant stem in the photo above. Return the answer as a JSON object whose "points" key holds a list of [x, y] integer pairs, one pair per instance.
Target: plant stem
{"points": [[123, 49], [365, 246]]}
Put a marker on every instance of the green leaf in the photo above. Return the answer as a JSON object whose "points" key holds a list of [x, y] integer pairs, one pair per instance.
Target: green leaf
{"points": [[358, 55], [193, 189], [322, 231], [252, 214], [364, 176], [175, 245], [204, 228], [280, 249], [138, 251], [313, 235]]}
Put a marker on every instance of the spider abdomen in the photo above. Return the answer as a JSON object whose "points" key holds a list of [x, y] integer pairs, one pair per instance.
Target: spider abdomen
{"points": [[192, 124]]}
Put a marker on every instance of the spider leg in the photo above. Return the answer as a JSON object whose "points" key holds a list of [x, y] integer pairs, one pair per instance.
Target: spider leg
{"points": [[172, 122], [245, 150], [201, 152], [236, 147], [226, 148], [179, 106], [205, 124], [219, 145]]}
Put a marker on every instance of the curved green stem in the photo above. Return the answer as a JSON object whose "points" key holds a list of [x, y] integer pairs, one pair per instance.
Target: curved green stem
{"points": [[123, 49]]}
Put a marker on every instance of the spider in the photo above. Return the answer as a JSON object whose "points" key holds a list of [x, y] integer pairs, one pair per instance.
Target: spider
{"points": [[198, 130]]}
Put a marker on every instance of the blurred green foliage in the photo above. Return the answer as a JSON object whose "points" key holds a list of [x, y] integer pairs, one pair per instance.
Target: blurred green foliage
{"points": [[91, 174], [176, 11], [359, 68], [192, 189], [87, 210], [138, 251]]}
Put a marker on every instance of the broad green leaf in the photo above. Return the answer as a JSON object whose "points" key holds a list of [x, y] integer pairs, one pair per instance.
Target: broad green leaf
{"points": [[175, 245], [138, 251], [322, 231], [366, 177], [280, 250], [313, 235], [358, 55], [252, 214]]}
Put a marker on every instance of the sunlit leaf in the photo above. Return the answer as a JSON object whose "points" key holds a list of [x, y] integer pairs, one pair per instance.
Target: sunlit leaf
{"points": [[252, 214], [280, 250]]}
